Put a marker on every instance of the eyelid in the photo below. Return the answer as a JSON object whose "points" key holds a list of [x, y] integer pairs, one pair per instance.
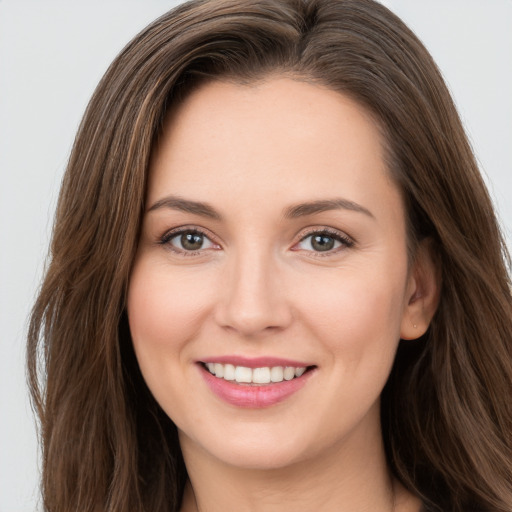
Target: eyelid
{"points": [[345, 240], [166, 238]]}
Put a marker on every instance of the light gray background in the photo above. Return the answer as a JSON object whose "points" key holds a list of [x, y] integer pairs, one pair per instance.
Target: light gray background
{"points": [[52, 54]]}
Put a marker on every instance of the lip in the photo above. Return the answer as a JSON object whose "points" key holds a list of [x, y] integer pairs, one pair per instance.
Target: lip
{"points": [[255, 362], [254, 396]]}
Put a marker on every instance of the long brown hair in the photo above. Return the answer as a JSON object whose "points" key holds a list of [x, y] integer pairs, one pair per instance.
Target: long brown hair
{"points": [[446, 409]]}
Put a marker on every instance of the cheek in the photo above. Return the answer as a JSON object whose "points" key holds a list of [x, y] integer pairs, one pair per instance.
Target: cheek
{"points": [[164, 312], [357, 322], [357, 316]]}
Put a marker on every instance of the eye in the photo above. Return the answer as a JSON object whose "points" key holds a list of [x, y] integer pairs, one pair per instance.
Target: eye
{"points": [[190, 240], [324, 241]]}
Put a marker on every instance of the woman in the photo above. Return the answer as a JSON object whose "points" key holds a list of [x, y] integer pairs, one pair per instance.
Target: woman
{"points": [[277, 281]]}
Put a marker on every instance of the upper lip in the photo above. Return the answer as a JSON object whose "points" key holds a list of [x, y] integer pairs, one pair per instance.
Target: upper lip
{"points": [[255, 362]]}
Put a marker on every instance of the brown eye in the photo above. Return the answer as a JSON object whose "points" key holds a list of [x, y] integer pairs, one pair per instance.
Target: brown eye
{"points": [[191, 241], [322, 242], [188, 241]]}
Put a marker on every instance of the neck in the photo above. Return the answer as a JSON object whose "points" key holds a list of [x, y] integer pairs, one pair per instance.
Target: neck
{"points": [[350, 477]]}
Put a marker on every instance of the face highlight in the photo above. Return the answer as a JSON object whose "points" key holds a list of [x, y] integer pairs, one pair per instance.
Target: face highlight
{"points": [[271, 284]]}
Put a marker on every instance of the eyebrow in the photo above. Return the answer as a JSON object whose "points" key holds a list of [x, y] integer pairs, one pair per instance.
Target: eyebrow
{"points": [[310, 208], [187, 206], [292, 212]]}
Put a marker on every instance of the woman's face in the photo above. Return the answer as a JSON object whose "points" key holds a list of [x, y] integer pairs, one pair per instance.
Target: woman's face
{"points": [[273, 238]]}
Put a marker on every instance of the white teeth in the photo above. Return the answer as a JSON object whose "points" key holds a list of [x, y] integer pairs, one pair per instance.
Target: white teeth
{"points": [[299, 371], [219, 370], [276, 374], [229, 372], [264, 375], [261, 375], [243, 374], [289, 373]]}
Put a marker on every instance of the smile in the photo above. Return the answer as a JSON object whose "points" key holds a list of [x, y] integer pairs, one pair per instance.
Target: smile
{"points": [[263, 375], [251, 384]]}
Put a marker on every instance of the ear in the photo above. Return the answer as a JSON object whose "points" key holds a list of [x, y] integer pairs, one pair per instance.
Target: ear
{"points": [[422, 293]]}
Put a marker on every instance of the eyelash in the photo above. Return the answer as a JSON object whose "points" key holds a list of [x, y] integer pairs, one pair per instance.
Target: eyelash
{"points": [[344, 240], [166, 239]]}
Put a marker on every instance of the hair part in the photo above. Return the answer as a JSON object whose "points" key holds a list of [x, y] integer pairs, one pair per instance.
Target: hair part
{"points": [[447, 423]]}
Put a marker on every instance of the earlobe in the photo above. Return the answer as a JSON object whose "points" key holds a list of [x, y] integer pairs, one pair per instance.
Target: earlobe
{"points": [[423, 292]]}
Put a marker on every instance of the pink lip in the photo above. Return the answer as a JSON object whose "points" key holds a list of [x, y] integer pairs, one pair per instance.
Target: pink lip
{"points": [[255, 362], [253, 396]]}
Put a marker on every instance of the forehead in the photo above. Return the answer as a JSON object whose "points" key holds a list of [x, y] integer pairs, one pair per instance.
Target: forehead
{"points": [[260, 140]]}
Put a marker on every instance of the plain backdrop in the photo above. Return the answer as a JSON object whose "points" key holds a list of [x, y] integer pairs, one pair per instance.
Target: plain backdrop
{"points": [[52, 54]]}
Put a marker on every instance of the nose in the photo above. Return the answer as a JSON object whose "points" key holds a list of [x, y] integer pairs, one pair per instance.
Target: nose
{"points": [[254, 300]]}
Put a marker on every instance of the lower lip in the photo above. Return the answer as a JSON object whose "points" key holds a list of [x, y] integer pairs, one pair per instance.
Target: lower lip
{"points": [[253, 396]]}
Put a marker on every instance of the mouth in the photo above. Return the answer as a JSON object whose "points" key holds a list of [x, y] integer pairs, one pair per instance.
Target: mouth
{"points": [[258, 376], [250, 384]]}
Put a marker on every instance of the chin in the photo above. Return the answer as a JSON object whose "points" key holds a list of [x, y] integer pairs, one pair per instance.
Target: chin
{"points": [[260, 451], [259, 459]]}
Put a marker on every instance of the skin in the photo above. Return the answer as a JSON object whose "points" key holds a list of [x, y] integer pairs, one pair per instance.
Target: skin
{"points": [[258, 287]]}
